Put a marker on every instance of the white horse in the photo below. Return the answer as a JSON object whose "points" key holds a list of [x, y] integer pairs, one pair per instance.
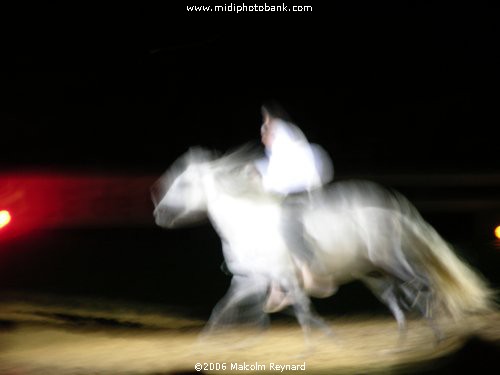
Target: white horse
{"points": [[358, 230]]}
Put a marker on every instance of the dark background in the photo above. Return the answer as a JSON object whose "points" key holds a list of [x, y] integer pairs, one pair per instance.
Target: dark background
{"points": [[134, 87], [404, 96]]}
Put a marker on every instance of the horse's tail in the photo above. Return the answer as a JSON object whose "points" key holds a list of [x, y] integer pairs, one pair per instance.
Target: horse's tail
{"points": [[456, 287]]}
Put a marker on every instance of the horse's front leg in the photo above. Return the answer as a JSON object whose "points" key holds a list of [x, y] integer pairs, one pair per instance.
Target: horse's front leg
{"points": [[243, 302]]}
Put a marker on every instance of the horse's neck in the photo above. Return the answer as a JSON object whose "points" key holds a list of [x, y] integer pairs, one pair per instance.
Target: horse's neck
{"points": [[235, 216]]}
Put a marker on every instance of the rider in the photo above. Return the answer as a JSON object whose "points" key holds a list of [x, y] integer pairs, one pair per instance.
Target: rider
{"points": [[292, 169]]}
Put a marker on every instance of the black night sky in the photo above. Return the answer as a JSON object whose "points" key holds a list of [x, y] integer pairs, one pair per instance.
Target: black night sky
{"points": [[131, 88], [125, 91]]}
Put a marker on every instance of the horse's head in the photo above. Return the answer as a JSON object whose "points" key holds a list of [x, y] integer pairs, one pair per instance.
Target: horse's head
{"points": [[179, 195]]}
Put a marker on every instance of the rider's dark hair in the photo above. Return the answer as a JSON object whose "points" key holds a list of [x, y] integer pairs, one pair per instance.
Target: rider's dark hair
{"points": [[276, 110]]}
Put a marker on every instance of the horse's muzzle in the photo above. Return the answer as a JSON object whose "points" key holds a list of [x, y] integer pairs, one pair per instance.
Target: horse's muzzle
{"points": [[171, 217], [165, 217]]}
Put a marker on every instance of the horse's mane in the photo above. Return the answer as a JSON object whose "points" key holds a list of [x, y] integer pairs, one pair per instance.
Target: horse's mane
{"points": [[194, 155], [236, 173], [231, 159], [242, 155], [234, 170]]}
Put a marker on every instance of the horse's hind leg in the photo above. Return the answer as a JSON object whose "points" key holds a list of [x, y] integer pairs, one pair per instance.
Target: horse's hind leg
{"points": [[422, 300], [305, 314], [384, 288], [410, 282]]}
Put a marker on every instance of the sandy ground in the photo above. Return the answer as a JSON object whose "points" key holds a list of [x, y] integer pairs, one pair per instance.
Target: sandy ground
{"points": [[75, 337]]}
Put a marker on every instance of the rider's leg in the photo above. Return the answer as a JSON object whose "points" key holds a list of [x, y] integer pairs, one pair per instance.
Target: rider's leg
{"points": [[319, 287], [292, 227], [277, 299]]}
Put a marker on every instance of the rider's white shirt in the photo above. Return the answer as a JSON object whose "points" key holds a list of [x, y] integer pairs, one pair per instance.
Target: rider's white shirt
{"points": [[292, 164]]}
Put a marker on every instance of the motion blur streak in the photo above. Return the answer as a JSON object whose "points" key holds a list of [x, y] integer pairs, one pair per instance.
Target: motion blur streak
{"points": [[51, 200]]}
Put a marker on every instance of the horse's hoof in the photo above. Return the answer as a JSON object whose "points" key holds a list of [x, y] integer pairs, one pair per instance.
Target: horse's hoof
{"points": [[304, 354], [324, 328], [394, 351], [439, 339], [328, 333]]}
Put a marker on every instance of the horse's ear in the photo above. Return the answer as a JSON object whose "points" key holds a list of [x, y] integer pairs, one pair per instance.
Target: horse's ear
{"points": [[272, 110], [266, 116], [198, 154]]}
